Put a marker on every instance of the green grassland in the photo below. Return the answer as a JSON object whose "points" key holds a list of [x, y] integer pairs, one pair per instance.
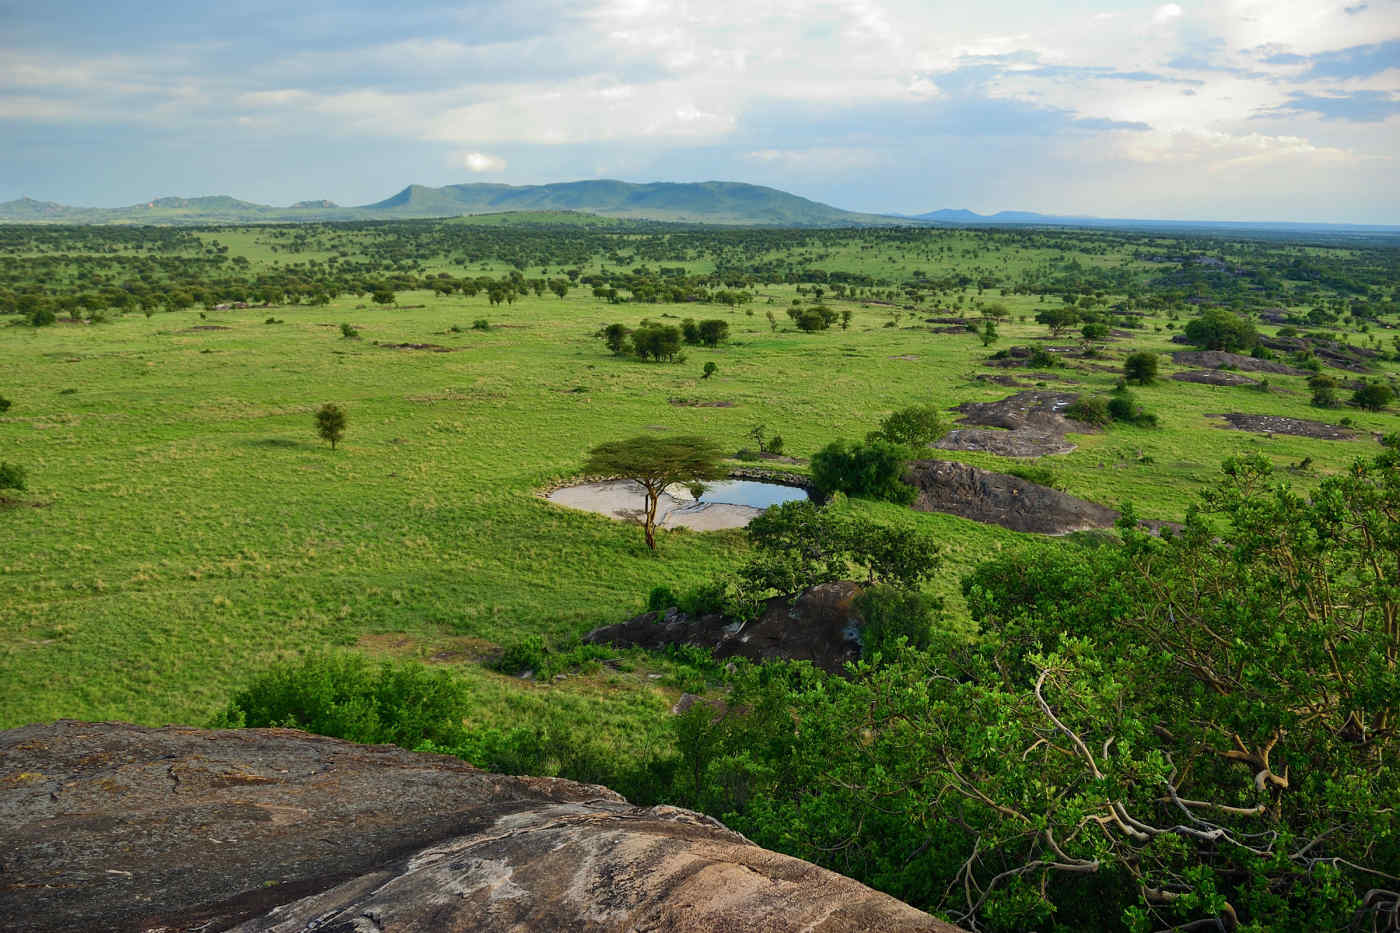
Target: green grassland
{"points": [[184, 527]]}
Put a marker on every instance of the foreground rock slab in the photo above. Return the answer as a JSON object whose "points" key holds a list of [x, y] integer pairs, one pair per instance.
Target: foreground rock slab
{"points": [[108, 826]]}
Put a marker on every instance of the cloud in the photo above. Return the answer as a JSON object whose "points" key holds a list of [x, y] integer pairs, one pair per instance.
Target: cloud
{"points": [[481, 162], [1353, 10], [1354, 107], [1166, 13]]}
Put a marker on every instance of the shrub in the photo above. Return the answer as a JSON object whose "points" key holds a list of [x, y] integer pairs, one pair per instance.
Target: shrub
{"points": [[42, 317], [1140, 368], [1373, 396], [1042, 358], [481, 324], [12, 476], [615, 336], [1324, 397], [349, 697], [4, 404], [1221, 330], [891, 613], [873, 470], [528, 654], [1094, 331], [1090, 409], [348, 330], [916, 426], [660, 598], [710, 369]]}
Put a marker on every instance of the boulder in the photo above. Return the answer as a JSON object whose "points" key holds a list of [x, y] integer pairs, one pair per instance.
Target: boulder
{"points": [[109, 826], [1001, 499], [821, 625]]}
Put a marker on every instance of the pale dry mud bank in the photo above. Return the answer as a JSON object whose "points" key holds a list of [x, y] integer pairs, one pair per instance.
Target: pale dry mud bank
{"points": [[625, 500]]}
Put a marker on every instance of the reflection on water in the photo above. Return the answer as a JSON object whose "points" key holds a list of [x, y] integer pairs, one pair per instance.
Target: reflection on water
{"points": [[751, 493]]}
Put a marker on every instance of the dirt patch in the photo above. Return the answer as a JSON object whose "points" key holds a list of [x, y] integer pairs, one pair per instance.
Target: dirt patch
{"points": [[1218, 359], [949, 330], [1215, 377], [907, 356], [1027, 424], [190, 330], [430, 347], [821, 626], [1276, 424], [452, 650], [999, 499], [698, 403]]}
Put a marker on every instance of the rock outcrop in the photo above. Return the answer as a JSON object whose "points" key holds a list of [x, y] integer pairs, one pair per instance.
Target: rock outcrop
{"points": [[818, 626], [107, 826], [1027, 424], [1001, 499]]}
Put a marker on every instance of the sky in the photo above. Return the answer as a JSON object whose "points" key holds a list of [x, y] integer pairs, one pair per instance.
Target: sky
{"points": [[1252, 110]]}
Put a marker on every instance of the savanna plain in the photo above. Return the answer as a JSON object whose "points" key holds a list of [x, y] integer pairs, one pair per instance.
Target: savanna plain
{"points": [[184, 547]]}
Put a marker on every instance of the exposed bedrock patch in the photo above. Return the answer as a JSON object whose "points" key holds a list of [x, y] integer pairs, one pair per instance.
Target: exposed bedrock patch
{"points": [[999, 499], [1027, 424], [1277, 424], [818, 626], [1215, 377], [108, 826], [1219, 359]]}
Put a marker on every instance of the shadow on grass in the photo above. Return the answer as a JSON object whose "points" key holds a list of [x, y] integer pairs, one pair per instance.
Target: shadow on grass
{"points": [[277, 443]]}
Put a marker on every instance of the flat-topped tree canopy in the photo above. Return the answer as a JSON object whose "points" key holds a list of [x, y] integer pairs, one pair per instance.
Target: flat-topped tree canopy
{"points": [[655, 463]]}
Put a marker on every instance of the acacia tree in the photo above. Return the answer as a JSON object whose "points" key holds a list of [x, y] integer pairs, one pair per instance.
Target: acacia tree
{"points": [[655, 463]]}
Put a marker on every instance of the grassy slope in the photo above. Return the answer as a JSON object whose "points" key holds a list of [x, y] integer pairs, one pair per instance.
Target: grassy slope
{"points": [[193, 528]]}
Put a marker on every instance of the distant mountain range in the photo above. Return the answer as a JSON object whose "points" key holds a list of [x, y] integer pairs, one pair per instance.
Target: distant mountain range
{"points": [[710, 202], [1021, 218]]}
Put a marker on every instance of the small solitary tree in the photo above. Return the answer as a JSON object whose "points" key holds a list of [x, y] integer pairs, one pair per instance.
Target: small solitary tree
{"points": [[710, 369], [1140, 368], [330, 423], [655, 463]]}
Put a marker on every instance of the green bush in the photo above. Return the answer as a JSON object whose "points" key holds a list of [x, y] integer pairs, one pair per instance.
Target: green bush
{"points": [[1090, 409], [892, 613], [873, 470], [1220, 330], [349, 697], [916, 426], [527, 654], [1373, 396], [12, 476], [1140, 368], [4, 404], [661, 598], [349, 330]]}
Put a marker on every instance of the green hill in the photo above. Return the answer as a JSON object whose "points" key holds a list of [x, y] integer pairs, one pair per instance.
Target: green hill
{"points": [[713, 202]]}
